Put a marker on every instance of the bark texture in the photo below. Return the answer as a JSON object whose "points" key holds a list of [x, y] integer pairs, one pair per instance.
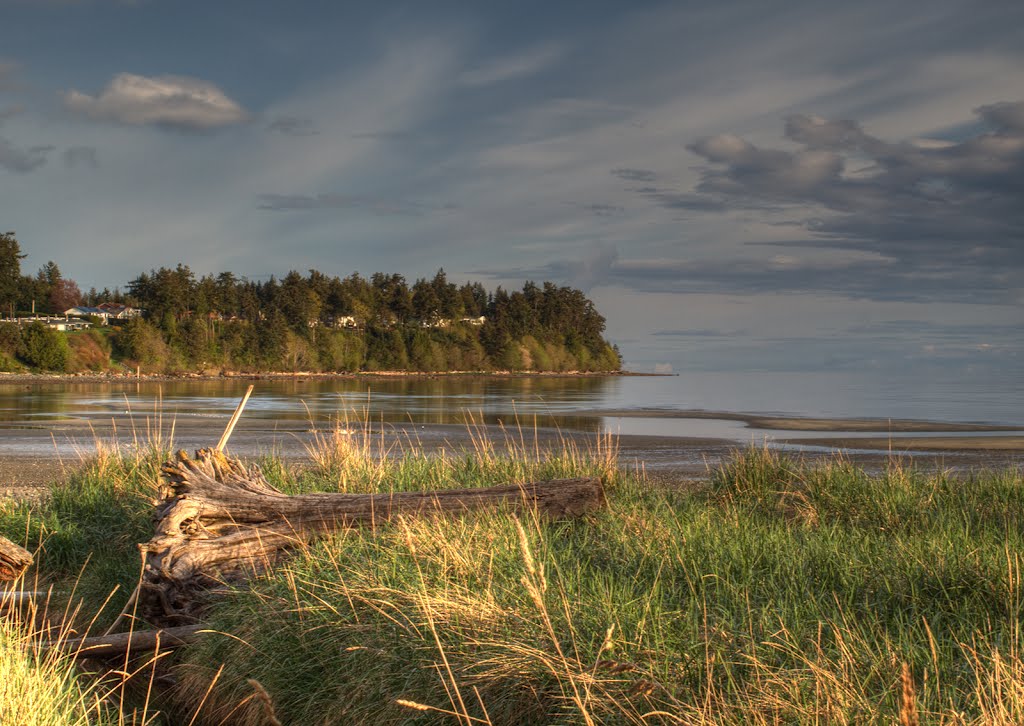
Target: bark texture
{"points": [[218, 522], [118, 644], [14, 560]]}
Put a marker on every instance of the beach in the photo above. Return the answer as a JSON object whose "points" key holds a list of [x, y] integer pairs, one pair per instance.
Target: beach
{"points": [[51, 424]]}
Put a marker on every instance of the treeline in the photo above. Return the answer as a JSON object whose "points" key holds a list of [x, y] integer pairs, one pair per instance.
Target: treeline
{"points": [[315, 322], [46, 292], [319, 323]]}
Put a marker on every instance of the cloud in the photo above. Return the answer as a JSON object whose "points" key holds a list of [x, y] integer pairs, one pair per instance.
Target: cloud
{"points": [[80, 156], [637, 175], [585, 271], [19, 160], [1007, 117], [376, 205], [700, 333], [508, 68], [945, 215], [171, 101], [293, 126], [599, 209]]}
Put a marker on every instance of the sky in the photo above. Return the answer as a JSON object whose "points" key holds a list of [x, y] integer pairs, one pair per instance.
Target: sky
{"points": [[797, 186]]}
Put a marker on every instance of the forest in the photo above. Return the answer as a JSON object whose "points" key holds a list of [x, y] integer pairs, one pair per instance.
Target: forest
{"points": [[300, 322]]}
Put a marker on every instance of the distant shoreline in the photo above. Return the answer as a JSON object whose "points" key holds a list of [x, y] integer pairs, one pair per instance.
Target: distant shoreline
{"points": [[29, 379]]}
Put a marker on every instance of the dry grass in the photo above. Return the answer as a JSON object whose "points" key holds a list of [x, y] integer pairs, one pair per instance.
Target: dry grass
{"points": [[779, 593]]}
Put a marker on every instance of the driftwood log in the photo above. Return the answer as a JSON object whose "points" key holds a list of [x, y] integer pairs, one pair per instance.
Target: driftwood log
{"points": [[118, 644], [14, 560], [218, 522]]}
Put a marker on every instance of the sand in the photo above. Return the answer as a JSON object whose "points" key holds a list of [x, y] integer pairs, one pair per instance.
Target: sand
{"points": [[806, 423]]}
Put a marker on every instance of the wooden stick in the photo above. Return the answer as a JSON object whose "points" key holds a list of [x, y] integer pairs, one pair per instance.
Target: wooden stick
{"points": [[139, 641], [234, 419], [13, 598], [124, 611], [14, 560]]}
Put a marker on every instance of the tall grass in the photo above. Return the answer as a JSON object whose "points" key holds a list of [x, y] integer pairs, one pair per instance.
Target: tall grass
{"points": [[84, 535], [780, 592], [43, 690]]}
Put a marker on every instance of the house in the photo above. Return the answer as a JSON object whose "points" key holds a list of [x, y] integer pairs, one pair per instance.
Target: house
{"points": [[83, 311], [345, 321], [55, 323], [105, 311], [118, 311]]}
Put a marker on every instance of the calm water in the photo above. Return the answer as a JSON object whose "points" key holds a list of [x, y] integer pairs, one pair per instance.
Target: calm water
{"points": [[447, 400], [280, 413]]}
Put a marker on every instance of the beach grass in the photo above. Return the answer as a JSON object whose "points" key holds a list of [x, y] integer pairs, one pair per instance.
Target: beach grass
{"points": [[778, 591]]}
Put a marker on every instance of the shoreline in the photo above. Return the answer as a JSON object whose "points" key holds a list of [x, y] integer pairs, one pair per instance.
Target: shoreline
{"points": [[951, 444], [41, 379], [666, 460], [808, 423]]}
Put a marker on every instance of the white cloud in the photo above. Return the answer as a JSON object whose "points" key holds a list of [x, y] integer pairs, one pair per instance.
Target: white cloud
{"points": [[515, 66], [175, 101]]}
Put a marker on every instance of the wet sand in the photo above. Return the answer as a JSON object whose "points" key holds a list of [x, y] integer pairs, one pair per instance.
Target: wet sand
{"points": [[920, 443], [35, 453], [48, 453], [807, 423]]}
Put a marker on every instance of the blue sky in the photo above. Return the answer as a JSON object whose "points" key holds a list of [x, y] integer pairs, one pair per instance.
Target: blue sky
{"points": [[774, 186]]}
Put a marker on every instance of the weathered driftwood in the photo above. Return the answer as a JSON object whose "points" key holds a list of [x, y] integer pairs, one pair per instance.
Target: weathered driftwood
{"points": [[138, 641], [218, 522], [14, 560]]}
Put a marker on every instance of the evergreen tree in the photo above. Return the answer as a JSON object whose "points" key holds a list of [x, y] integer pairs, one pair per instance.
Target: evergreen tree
{"points": [[43, 347], [10, 271]]}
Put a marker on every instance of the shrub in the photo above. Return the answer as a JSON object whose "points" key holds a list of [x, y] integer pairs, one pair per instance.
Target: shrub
{"points": [[42, 347], [90, 350], [140, 342]]}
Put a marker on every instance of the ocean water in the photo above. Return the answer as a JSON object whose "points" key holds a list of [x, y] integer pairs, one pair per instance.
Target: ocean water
{"points": [[571, 402], [68, 418]]}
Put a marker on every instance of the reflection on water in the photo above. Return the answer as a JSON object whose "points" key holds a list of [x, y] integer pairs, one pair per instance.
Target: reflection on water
{"points": [[551, 401], [841, 394], [67, 417]]}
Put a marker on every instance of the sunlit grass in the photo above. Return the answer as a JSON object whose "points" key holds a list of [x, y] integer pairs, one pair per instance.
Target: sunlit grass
{"points": [[779, 592]]}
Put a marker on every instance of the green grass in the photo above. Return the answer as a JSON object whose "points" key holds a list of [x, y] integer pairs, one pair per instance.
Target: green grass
{"points": [[780, 592], [43, 691]]}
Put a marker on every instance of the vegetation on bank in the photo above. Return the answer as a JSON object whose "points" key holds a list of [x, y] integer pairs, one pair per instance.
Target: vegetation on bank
{"points": [[308, 322], [779, 591]]}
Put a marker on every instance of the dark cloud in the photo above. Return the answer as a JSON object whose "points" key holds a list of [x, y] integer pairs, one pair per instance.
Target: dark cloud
{"points": [[293, 126], [1007, 117], [974, 333], [700, 333], [636, 175], [909, 220], [376, 205], [854, 277], [588, 270], [682, 201], [80, 156], [383, 135], [22, 160], [598, 209]]}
